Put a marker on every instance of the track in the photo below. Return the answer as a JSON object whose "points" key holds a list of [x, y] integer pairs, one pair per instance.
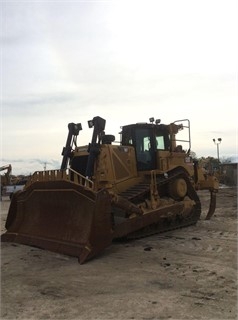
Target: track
{"points": [[141, 192]]}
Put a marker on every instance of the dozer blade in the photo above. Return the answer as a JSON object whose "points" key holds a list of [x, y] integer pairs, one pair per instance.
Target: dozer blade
{"points": [[62, 217], [212, 205]]}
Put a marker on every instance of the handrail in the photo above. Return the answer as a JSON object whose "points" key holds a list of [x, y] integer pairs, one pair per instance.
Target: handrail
{"points": [[189, 133], [82, 180], [54, 175]]}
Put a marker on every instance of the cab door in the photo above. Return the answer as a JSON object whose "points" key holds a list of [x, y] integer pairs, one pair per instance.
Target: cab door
{"points": [[145, 149]]}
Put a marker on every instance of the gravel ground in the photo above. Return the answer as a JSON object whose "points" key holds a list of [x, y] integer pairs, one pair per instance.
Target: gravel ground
{"points": [[189, 273]]}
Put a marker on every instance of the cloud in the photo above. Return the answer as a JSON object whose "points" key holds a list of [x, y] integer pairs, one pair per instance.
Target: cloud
{"points": [[34, 104], [123, 61]]}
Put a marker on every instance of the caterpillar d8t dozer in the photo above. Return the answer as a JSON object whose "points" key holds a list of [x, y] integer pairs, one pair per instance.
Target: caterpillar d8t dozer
{"points": [[144, 184]]}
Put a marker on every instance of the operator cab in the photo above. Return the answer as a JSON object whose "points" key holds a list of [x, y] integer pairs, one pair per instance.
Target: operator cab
{"points": [[147, 139]]}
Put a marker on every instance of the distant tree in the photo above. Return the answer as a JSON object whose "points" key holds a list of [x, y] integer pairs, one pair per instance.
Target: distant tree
{"points": [[226, 160], [193, 154], [210, 164]]}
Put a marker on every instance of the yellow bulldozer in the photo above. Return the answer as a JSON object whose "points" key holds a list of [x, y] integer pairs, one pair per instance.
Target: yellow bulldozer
{"points": [[107, 190]]}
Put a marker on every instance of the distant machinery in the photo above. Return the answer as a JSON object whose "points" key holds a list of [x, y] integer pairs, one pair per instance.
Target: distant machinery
{"points": [[6, 178]]}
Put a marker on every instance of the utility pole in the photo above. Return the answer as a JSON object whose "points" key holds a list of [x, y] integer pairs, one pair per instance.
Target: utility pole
{"points": [[217, 143]]}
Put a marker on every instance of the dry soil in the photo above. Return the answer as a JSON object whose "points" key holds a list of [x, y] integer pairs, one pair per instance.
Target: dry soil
{"points": [[189, 273]]}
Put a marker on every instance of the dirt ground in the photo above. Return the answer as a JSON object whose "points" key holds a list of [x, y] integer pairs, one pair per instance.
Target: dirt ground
{"points": [[189, 273]]}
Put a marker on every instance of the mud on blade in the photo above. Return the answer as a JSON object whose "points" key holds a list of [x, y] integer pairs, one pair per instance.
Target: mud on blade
{"points": [[62, 217]]}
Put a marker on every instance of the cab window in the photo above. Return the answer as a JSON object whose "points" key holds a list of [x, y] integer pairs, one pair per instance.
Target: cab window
{"points": [[160, 145]]}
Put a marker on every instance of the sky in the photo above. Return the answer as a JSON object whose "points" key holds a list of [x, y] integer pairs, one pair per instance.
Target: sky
{"points": [[125, 61]]}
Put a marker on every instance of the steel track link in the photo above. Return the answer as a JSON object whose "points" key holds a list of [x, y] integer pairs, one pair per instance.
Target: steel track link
{"points": [[162, 225]]}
